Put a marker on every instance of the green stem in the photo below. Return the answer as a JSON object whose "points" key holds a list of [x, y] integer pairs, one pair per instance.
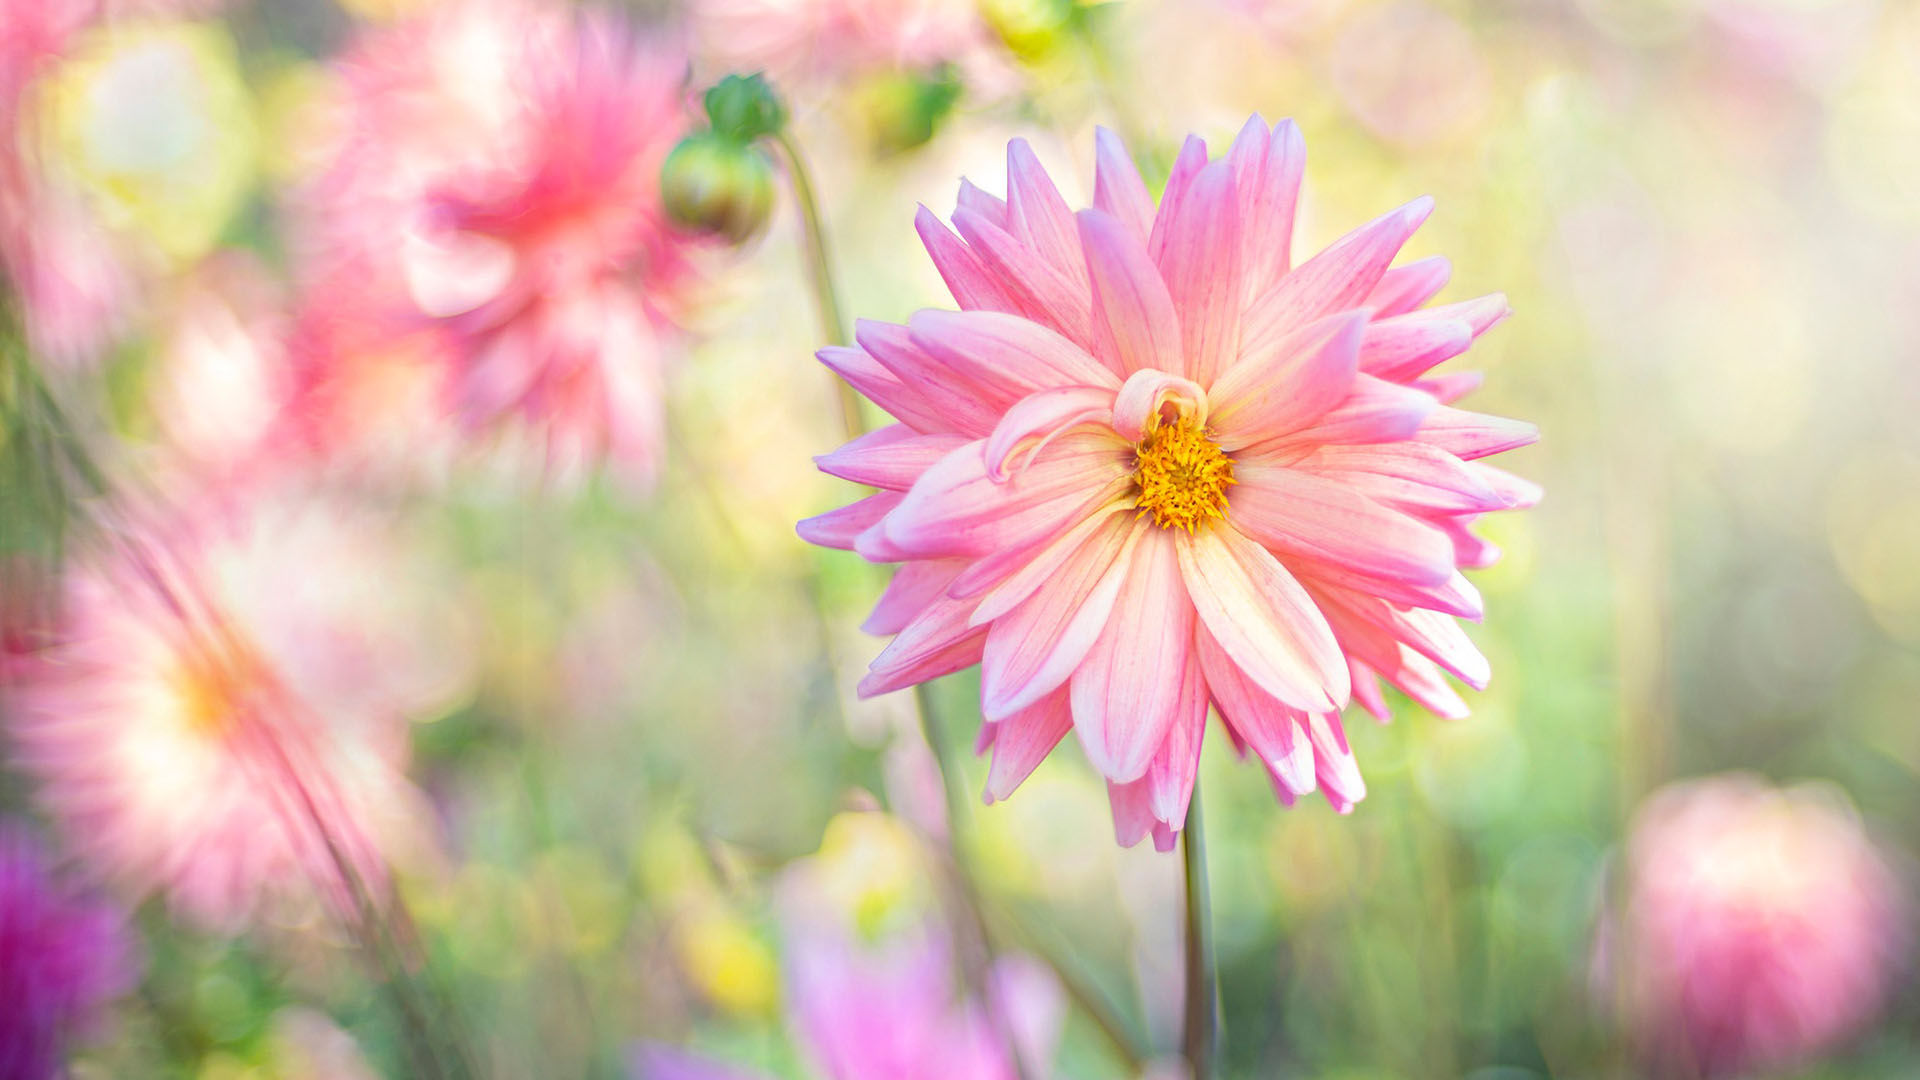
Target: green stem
{"points": [[1200, 1038], [826, 299]]}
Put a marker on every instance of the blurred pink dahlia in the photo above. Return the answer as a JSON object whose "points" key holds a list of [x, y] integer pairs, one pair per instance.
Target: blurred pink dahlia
{"points": [[1150, 465], [492, 188], [220, 714], [62, 956], [1760, 927]]}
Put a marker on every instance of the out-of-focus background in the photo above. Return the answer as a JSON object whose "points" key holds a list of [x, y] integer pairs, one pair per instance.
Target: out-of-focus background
{"points": [[629, 733]]}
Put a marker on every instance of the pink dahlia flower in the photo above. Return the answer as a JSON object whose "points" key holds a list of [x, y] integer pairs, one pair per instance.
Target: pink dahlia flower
{"points": [[221, 713], [1151, 466], [494, 184], [62, 956], [1760, 926]]}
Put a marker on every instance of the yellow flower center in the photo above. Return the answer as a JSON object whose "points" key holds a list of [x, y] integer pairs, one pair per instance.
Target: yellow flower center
{"points": [[1182, 476]]}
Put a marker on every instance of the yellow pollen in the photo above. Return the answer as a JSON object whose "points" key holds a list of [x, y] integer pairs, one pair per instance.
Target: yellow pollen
{"points": [[1181, 477]]}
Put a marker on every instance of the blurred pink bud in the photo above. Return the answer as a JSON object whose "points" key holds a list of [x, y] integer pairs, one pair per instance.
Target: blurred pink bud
{"points": [[1760, 927]]}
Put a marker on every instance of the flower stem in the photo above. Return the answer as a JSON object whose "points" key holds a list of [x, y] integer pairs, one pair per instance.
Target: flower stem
{"points": [[1200, 1038], [820, 272]]}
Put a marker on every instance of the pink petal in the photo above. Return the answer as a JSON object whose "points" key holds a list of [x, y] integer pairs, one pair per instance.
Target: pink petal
{"points": [[1132, 811], [1134, 325], [1451, 386], [1033, 649], [1409, 475], [1374, 411], [1137, 408], [1338, 772], [914, 588], [1054, 298], [883, 388], [1269, 395], [1454, 596], [1262, 618], [1200, 261], [1170, 774], [1514, 492], [1038, 216], [936, 642], [1366, 690], [892, 457], [1404, 288], [1035, 420], [1337, 279], [1431, 634], [1186, 165], [838, 528], [1023, 740], [1117, 187], [965, 273], [1469, 551], [984, 203], [1404, 347], [945, 391], [1267, 167], [1271, 729], [1470, 435], [1123, 701], [955, 508], [1035, 568], [1010, 357], [1295, 512]]}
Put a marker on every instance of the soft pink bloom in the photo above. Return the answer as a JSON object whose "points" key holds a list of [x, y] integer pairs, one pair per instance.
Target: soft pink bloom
{"points": [[1151, 466], [837, 38], [225, 679], [221, 385], [1760, 926], [71, 277], [490, 206], [62, 956]]}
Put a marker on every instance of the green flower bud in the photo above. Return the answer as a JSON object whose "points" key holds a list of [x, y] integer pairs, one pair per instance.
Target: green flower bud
{"points": [[744, 108], [717, 185], [903, 109]]}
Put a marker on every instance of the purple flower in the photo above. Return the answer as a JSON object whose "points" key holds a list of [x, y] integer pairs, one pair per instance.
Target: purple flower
{"points": [[62, 955]]}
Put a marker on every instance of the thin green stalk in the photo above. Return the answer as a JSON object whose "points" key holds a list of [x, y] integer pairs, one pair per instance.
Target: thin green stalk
{"points": [[1200, 1037], [826, 299]]}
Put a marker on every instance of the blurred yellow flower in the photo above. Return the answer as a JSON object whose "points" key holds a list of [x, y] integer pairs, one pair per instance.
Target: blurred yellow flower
{"points": [[730, 965]]}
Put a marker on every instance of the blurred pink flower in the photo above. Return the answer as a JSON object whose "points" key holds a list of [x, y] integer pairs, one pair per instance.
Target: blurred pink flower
{"points": [[71, 279], [836, 38], [490, 207], [1149, 465], [222, 383], [1760, 926], [222, 681], [62, 956]]}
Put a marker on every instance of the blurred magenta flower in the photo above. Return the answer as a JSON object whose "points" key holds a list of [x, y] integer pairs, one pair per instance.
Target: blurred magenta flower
{"points": [[871, 979], [1151, 465], [1760, 926], [62, 956], [224, 682], [489, 207]]}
